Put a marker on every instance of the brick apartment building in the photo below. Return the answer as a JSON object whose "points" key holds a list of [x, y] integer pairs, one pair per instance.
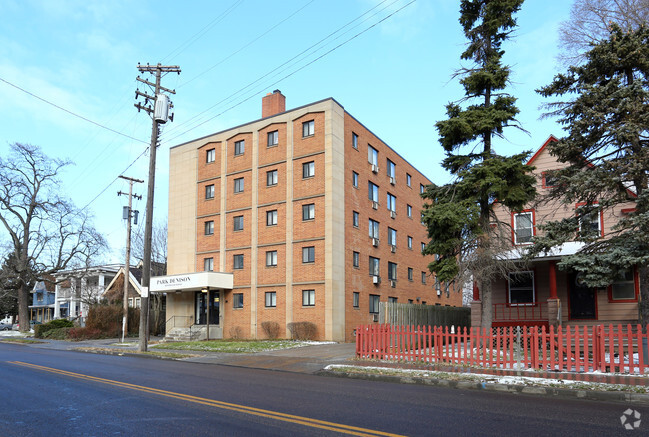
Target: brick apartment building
{"points": [[316, 218]]}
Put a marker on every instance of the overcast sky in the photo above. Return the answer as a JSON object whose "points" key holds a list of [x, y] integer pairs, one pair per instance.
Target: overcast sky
{"points": [[395, 76]]}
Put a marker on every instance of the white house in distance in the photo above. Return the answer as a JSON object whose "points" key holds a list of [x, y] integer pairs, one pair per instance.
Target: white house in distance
{"points": [[75, 288]]}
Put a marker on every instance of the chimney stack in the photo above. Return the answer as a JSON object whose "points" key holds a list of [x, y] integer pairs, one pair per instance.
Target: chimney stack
{"points": [[273, 103]]}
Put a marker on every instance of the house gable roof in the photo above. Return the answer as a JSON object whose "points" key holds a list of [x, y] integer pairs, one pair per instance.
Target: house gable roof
{"points": [[538, 153]]}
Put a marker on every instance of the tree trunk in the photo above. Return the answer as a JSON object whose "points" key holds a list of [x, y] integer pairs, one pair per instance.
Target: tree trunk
{"points": [[487, 307], [643, 305], [23, 307]]}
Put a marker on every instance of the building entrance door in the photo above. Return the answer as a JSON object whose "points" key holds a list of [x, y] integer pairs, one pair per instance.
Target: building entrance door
{"points": [[582, 299], [201, 307]]}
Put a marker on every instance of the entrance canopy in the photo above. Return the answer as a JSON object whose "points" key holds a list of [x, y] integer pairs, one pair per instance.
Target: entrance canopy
{"points": [[192, 282]]}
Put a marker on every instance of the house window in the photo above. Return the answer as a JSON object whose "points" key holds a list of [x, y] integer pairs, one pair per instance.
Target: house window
{"points": [[523, 227], [308, 211], [590, 223], [238, 223], [423, 247], [355, 219], [208, 264], [410, 301], [308, 169], [271, 258], [409, 242], [624, 287], [308, 254], [271, 217], [210, 155], [273, 138], [421, 188], [209, 227], [391, 168], [308, 298], [392, 271], [271, 299], [409, 209], [209, 191], [392, 237], [374, 228], [308, 128], [423, 277], [392, 203], [237, 262], [354, 141], [408, 179], [521, 287], [374, 303], [392, 299], [356, 299], [237, 300], [372, 191], [372, 155], [374, 266], [138, 302], [239, 147], [549, 179], [410, 273], [356, 259], [238, 185], [355, 179], [271, 178]]}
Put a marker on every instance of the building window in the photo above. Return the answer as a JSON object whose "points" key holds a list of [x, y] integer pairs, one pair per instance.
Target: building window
{"points": [[308, 211], [374, 303], [374, 266], [354, 141], [392, 237], [392, 271], [308, 128], [237, 300], [521, 288], [273, 138], [523, 227], [549, 179], [209, 227], [372, 155], [308, 169], [271, 178], [308, 298], [391, 169], [408, 179], [423, 277], [355, 179], [410, 301], [271, 217], [392, 203], [409, 242], [239, 147], [590, 223], [271, 299], [308, 254], [210, 155], [410, 273], [409, 209], [374, 229], [421, 188], [392, 299], [356, 299], [372, 191], [238, 185], [355, 219], [209, 191], [624, 287], [356, 259], [271, 258], [237, 262], [238, 223], [208, 264]]}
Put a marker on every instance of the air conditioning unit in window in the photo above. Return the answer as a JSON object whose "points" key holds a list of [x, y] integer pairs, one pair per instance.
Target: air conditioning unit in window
{"points": [[393, 214], [376, 279], [391, 180], [375, 242], [439, 292], [393, 283], [393, 248], [375, 205], [375, 317], [375, 168]]}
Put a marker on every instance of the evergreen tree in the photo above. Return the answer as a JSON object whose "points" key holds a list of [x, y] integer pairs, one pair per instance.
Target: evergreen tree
{"points": [[460, 214], [607, 152]]}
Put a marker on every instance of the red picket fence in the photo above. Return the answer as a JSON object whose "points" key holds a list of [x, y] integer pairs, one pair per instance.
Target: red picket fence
{"points": [[571, 348]]}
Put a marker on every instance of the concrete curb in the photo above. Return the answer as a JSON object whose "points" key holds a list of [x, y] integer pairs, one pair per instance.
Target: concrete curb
{"points": [[595, 395]]}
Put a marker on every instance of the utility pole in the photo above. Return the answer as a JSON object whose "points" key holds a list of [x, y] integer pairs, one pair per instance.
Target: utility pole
{"points": [[128, 213], [159, 115]]}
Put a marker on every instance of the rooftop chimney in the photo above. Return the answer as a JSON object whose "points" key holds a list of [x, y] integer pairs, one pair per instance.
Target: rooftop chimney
{"points": [[273, 103]]}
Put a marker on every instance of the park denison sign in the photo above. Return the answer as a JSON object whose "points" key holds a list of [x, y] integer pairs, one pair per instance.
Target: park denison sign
{"points": [[180, 282], [191, 281]]}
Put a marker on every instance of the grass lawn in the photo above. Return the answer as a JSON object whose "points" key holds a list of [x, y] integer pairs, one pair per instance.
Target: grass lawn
{"points": [[19, 340], [232, 346]]}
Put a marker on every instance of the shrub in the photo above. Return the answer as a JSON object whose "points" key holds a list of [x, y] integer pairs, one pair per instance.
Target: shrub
{"points": [[271, 329], [302, 330], [57, 333], [236, 332], [41, 330], [86, 333], [108, 320]]}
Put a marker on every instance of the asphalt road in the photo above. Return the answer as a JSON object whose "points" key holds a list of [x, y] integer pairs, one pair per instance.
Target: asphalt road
{"points": [[64, 393]]}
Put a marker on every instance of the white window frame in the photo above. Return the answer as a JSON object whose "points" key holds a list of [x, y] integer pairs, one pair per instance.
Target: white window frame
{"points": [[308, 128], [270, 299], [392, 202], [271, 217], [235, 265], [599, 221], [374, 228], [237, 223], [308, 212], [209, 191], [308, 169], [308, 298], [239, 185], [372, 155], [271, 258], [308, 255], [239, 147], [517, 240], [210, 156], [271, 178], [209, 227], [208, 264], [273, 138]]}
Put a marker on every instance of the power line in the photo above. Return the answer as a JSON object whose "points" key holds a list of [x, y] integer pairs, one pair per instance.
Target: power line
{"points": [[72, 113]]}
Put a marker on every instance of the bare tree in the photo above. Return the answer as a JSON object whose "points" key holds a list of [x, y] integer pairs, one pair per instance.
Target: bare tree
{"points": [[590, 22], [47, 232]]}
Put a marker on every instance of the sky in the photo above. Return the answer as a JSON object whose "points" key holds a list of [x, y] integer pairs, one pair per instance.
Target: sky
{"points": [[388, 63]]}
